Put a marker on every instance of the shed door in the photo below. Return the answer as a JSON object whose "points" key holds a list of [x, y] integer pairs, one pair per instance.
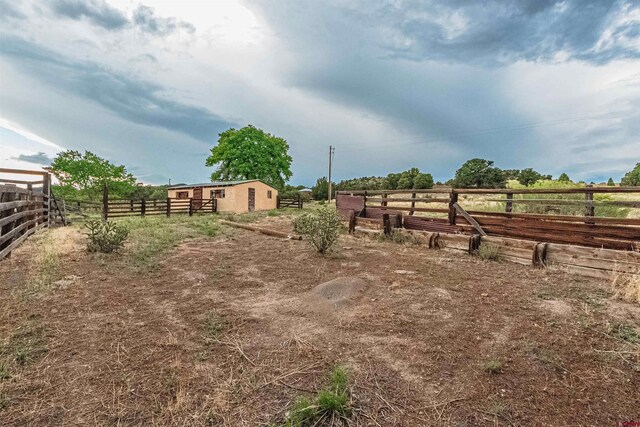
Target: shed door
{"points": [[197, 198], [252, 199]]}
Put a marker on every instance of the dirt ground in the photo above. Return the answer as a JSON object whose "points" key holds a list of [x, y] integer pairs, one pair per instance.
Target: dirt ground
{"points": [[229, 330]]}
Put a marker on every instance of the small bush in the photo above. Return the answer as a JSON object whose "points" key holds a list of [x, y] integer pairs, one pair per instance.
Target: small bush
{"points": [[214, 325], [401, 237], [625, 332], [320, 228], [105, 237], [493, 366], [489, 252], [329, 403]]}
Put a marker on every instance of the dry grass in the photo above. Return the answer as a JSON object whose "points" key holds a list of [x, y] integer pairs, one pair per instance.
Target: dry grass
{"points": [[625, 285], [489, 252]]}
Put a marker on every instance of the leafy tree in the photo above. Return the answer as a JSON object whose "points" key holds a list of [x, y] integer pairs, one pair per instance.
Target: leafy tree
{"points": [[479, 173], [392, 181], [610, 183], [251, 153], [564, 177], [632, 177], [363, 183], [528, 176], [320, 191], [149, 192], [87, 174], [423, 181], [511, 173]]}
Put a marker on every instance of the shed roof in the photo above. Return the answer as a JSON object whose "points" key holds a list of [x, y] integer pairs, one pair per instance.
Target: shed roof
{"points": [[213, 184]]}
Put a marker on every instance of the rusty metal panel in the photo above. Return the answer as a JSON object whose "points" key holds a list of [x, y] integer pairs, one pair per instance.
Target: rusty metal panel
{"points": [[425, 224], [345, 203]]}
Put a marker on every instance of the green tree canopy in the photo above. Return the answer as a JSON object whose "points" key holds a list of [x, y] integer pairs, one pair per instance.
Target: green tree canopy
{"points": [[564, 177], [251, 153], [479, 173], [88, 173], [632, 177], [610, 183], [528, 176], [320, 191]]}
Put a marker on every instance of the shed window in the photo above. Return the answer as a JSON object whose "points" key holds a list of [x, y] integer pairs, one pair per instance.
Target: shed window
{"points": [[182, 194], [269, 194], [217, 194]]}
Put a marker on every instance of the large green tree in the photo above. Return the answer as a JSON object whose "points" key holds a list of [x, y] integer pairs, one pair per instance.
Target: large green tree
{"points": [[632, 177], [528, 176], [479, 173], [87, 174], [251, 153], [320, 191], [564, 177]]}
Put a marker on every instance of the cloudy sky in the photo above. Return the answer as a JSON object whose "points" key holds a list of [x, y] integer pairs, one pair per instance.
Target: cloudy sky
{"points": [[553, 85]]}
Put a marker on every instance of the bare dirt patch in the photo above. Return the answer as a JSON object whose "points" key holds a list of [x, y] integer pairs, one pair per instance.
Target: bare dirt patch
{"points": [[226, 332]]}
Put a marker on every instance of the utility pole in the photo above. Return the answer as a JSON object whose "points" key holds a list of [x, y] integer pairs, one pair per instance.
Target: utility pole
{"points": [[331, 151]]}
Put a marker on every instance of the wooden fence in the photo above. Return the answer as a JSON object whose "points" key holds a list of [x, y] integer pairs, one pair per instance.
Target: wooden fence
{"points": [[289, 203], [26, 206], [587, 216], [120, 208]]}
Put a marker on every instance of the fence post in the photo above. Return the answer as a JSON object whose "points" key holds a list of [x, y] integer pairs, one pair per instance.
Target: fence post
{"points": [[105, 203], [214, 204], [143, 207], [384, 202], [590, 209], [413, 202], [386, 224], [509, 206], [453, 199], [131, 205], [300, 201], [278, 201], [190, 207], [352, 221], [364, 202], [46, 191], [168, 207]]}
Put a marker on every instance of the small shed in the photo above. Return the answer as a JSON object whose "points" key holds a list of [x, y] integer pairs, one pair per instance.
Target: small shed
{"points": [[231, 196]]}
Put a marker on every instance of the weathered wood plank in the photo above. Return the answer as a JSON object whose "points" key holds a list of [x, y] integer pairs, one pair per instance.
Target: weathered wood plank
{"points": [[262, 230], [19, 240], [408, 208], [407, 199], [469, 219], [19, 215], [17, 230]]}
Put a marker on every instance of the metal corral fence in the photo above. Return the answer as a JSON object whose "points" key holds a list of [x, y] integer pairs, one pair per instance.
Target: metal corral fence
{"points": [[602, 217]]}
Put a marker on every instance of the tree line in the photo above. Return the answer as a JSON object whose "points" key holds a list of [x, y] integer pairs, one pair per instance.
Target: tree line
{"points": [[474, 173], [251, 153]]}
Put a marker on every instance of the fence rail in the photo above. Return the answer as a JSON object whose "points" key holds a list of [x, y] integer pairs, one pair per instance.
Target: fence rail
{"points": [[289, 203], [26, 209], [587, 216]]}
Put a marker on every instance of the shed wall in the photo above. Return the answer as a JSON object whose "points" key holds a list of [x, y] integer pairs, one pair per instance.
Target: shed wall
{"points": [[236, 198]]}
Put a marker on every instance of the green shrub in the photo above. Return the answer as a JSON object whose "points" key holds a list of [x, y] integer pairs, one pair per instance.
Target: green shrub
{"points": [[320, 228], [329, 403], [493, 366], [105, 237], [489, 252]]}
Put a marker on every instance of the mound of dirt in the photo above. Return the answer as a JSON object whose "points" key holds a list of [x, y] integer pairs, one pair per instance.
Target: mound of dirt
{"points": [[334, 295]]}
